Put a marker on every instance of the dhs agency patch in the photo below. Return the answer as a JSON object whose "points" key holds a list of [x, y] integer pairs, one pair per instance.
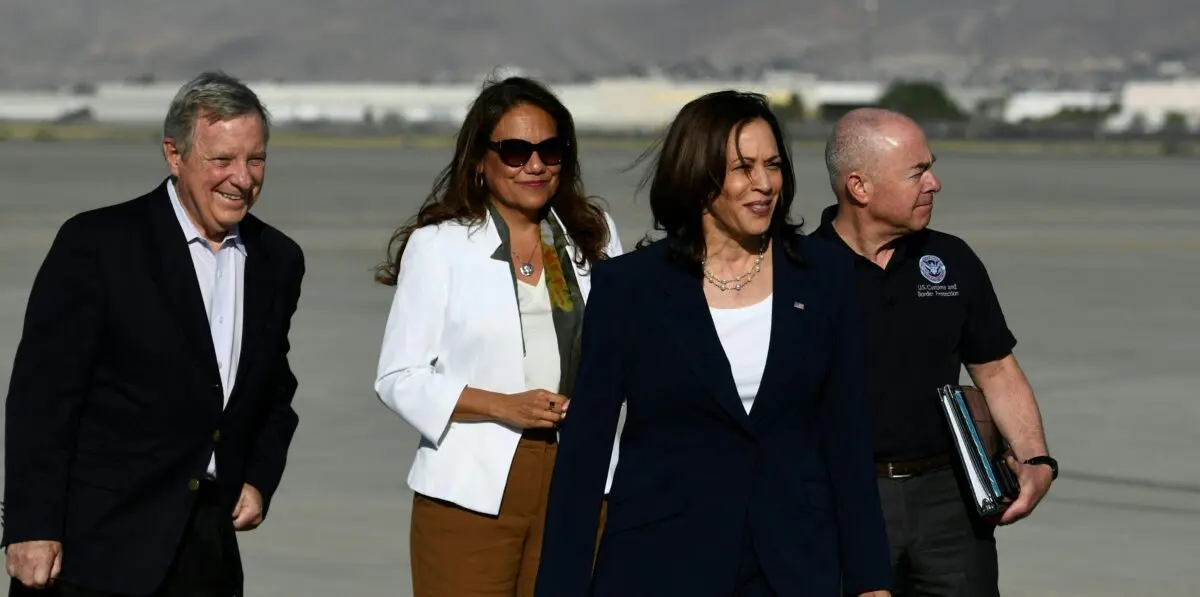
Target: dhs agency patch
{"points": [[932, 268]]}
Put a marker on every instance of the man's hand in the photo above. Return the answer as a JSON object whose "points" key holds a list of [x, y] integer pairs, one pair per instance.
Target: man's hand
{"points": [[34, 563], [876, 594], [1034, 480], [247, 514]]}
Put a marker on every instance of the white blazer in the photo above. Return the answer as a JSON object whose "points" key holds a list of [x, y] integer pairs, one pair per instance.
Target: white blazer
{"points": [[454, 322]]}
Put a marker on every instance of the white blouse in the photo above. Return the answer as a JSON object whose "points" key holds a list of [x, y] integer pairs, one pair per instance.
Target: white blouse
{"points": [[542, 367], [745, 334]]}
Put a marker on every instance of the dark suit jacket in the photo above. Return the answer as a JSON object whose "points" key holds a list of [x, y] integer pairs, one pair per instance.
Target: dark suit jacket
{"points": [[696, 473], [115, 403]]}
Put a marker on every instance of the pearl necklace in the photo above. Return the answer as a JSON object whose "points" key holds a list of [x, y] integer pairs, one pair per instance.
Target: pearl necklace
{"points": [[741, 281]]}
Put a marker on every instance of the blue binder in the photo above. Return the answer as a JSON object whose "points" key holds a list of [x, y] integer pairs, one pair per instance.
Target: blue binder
{"points": [[980, 447]]}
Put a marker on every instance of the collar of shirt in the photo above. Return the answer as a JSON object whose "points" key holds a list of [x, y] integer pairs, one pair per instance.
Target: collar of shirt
{"points": [[902, 246], [190, 232]]}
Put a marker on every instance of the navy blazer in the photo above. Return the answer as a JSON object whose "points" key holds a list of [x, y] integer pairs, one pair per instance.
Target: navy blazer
{"points": [[696, 472], [115, 403]]}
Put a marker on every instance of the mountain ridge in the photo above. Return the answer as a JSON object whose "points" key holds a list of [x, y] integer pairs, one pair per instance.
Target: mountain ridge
{"points": [[60, 42]]}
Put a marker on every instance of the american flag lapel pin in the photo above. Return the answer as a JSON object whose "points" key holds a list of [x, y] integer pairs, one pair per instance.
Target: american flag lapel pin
{"points": [[798, 305]]}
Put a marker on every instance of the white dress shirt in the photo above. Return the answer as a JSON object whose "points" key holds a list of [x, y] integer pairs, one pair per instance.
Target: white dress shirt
{"points": [[221, 275]]}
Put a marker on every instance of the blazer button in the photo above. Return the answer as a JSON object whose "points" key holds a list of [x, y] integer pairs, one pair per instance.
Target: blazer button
{"points": [[194, 484], [217, 435]]}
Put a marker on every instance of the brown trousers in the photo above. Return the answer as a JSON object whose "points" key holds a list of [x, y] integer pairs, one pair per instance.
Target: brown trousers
{"points": [[467, 554]]}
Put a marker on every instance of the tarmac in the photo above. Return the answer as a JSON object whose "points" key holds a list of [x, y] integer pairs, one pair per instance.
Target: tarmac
{"points": [[1096, 261]]}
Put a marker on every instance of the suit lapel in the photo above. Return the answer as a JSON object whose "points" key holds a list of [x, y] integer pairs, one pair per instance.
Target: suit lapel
{"points": [[790, 323], [258, 293], [685, 315], [176, 278]]}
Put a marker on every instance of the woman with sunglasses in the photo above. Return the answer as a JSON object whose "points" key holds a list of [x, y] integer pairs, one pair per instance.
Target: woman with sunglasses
{"points": [[745, 461], [481, 342]]}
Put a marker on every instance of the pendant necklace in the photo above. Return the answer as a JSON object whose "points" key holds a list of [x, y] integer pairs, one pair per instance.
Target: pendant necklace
{"points": [[526, 268]]}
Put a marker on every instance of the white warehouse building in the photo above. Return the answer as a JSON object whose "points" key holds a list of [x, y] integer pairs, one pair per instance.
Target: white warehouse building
{"points": [[618, 103], [1150, 102]]}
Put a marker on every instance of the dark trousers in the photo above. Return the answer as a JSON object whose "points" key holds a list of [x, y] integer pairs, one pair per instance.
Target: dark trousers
{"points": [[206, 564], [750, 579], [940, 548]]}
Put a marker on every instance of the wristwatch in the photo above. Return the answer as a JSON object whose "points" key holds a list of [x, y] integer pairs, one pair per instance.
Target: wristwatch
{"points": [[1052, 463]]}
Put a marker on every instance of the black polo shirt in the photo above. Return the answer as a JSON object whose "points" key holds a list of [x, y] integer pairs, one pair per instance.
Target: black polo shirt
{"points": [[931, 311]]}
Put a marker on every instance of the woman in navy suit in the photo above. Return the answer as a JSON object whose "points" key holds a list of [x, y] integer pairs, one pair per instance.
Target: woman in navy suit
{"points": [[745, 462]]}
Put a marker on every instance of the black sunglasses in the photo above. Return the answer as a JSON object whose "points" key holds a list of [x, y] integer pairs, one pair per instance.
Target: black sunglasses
{"points": [[516, 152]]}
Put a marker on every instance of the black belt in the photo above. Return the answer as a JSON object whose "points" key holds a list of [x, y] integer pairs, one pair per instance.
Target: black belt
{"points": [[911, 468], [206, 490]]}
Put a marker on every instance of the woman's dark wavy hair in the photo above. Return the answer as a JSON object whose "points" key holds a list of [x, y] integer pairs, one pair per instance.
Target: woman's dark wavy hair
{"points": [[456, 197], [688, 171]]}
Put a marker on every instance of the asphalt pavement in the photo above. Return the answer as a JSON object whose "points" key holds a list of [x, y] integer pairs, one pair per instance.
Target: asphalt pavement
{"points": [[1096, 262]]}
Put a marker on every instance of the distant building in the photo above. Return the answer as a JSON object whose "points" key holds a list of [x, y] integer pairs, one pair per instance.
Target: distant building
{"points": [[618, 104], [1038, 105], [39, 107], [832, 99], [603, 104], [1146, 105]]}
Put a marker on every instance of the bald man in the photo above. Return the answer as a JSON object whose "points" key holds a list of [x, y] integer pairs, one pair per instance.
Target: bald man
{"points": [[929, 309]]}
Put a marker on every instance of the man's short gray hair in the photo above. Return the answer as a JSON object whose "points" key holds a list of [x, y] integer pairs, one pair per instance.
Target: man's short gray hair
{"points": [[854, 141], [215, 96]]}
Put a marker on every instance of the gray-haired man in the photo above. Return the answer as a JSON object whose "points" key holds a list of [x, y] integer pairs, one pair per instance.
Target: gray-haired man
{"points": [[929, 311], [149, 413]]}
